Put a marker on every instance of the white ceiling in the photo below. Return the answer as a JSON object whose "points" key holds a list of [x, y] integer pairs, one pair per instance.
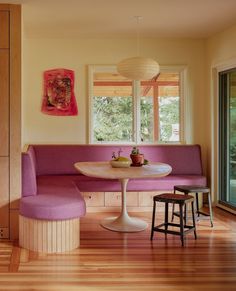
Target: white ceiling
{"points": [[115, 18]]}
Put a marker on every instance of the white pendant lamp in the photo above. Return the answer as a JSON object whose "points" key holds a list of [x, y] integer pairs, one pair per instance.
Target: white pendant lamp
{"points": [[138, 68]]}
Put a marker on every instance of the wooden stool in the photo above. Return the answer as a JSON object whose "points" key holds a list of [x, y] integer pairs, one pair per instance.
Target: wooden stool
{"points": [[181, 200], [187, 189]]}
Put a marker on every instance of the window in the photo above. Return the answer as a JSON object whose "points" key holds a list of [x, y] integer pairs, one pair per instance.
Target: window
{"points": [[148, 111]]}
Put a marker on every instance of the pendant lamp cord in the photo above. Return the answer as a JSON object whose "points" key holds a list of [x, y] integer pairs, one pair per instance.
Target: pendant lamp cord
{"points": [[138, 18]]}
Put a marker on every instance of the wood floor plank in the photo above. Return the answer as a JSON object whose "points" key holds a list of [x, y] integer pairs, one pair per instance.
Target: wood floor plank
{"points": [[109, 260], [15, 257]]}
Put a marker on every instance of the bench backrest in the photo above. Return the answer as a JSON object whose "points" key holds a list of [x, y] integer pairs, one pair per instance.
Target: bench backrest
{"points": [[60, 159]]}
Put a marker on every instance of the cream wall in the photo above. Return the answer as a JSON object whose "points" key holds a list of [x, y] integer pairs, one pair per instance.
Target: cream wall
{"points": [[43, 54], [220, 55], [221, 47]]}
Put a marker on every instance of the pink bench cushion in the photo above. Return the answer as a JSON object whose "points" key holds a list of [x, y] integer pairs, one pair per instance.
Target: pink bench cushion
{"points": [[88, 184], [57, 199], [166, 183]]}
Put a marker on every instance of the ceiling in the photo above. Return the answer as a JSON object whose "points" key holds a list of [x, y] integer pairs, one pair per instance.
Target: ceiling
{"points": [[115, 18]]}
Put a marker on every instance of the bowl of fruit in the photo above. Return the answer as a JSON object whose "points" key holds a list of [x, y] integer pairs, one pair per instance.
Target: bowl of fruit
{"points": [[120, 162]]}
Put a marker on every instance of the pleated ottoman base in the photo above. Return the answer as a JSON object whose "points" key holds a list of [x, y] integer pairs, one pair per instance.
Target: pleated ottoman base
{"points": [[49, 236]]}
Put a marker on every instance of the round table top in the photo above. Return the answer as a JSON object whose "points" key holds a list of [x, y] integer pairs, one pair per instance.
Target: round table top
{"points": [[104, 170]]}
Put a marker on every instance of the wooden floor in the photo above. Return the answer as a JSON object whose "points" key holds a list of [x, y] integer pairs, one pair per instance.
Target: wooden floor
{"points": [[108, 260]]}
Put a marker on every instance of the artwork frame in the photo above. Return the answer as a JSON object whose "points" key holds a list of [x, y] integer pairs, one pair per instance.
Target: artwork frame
{"points": [[58, 93]]}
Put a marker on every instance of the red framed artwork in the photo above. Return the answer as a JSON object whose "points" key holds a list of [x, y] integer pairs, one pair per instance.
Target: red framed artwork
{"points": [[58, 97]]}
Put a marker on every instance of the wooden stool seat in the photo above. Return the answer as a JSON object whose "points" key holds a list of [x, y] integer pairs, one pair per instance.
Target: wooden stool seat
{"points": [[181, 200], [191, 188], [172, 198], [195, 189]]}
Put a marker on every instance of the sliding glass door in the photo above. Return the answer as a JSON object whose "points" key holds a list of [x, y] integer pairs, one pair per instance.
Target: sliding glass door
{"points": [[227, 138]]}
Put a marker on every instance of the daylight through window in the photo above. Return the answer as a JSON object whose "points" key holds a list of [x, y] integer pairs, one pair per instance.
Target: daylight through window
{"points": [[122, 111]]}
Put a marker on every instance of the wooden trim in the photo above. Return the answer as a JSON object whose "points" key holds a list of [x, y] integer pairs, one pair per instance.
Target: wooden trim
{"points": [[116, 209], [143, 83], [182, 109], [114, 199], [13, 44], [14, 223], [4, 101], [4, 7], [159, 83], [4, 24], [91, 70], [4, 193], [113, 144], [226, 207], [15, 103], [112, 83], [49, 236], [25, 148]]}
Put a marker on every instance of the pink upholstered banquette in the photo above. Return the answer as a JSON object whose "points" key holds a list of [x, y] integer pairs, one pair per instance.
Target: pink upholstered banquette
{"points": [[51, 185]]}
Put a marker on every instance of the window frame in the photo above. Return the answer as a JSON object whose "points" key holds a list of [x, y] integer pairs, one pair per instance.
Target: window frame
{"points": [[182, 70]]}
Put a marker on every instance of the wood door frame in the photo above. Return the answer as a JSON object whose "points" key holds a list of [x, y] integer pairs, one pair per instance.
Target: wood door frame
{"points": [[15, 114], [216, 68]]}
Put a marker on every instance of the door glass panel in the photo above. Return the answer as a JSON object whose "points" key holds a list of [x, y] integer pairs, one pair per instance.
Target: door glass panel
{"points": [[232, 138], [227, 138]]}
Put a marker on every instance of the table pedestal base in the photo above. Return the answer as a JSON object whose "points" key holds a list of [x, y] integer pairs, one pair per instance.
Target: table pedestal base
{"points": [[124, 224]]}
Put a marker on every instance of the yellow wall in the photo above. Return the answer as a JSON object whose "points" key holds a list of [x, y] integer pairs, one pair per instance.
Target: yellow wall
{"points": [[220, 54], [43, 54]]}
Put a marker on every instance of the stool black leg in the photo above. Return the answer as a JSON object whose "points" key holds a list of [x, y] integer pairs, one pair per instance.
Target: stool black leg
{"points": [[185, 218], [197, 204], [185, 211], [166, 216], [181, 224], [193, 216], [173, 209], [210, 208], [153, 219]]}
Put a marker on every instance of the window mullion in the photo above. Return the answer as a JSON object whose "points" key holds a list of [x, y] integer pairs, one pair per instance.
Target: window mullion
{"points": [[182, 105], [90, 107], [156, 121], [136, 112]]}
